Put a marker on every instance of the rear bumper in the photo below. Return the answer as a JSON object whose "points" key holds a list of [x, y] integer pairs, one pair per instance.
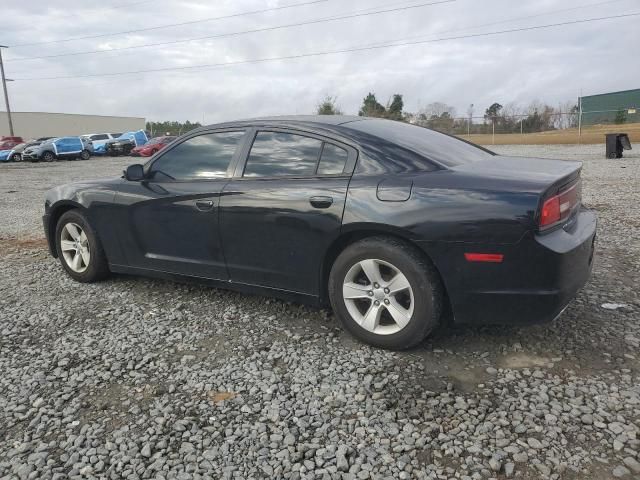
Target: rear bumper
{"points": [[537, 279]]}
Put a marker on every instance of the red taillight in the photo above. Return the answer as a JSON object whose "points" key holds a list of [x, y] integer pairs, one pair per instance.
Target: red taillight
{"points": [[550, 211], [558, 207], [484, 257]]}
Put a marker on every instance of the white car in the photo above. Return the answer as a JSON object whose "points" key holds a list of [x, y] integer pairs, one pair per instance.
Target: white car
{"points": [[99, 139]]}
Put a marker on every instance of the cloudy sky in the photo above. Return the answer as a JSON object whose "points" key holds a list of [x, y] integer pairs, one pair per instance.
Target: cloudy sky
{"points": [[552, 65]]}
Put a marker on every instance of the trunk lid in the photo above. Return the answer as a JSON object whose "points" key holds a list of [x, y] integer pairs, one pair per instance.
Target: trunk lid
{"points": [[539, 174]]}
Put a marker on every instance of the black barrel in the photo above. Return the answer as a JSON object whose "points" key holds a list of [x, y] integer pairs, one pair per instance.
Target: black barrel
{"points": [[616, 143]]}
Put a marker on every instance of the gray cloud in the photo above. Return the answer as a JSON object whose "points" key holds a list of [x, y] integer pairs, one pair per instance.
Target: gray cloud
{"points": [[551, 65]]}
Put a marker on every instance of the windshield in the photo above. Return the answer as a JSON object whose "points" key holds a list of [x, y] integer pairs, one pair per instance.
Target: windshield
{"points": [[438, 147]]}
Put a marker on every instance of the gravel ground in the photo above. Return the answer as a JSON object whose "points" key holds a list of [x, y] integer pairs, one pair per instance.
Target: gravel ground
{"points": [[135, 378]]}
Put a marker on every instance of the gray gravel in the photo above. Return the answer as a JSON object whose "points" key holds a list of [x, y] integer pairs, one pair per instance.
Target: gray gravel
{"points": [[137, 378]]}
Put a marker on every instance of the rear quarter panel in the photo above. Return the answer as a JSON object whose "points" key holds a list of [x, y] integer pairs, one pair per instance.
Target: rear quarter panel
{"points": [[445, 206], [446, 215]]}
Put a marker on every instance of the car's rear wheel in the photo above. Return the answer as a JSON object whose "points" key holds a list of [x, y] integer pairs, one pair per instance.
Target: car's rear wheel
{"points": [[79, 248], [48, 156], [85, 155], [386, 293]]}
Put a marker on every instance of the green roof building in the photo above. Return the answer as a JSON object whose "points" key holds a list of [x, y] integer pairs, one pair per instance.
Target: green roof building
{"points": [[614, 107]]}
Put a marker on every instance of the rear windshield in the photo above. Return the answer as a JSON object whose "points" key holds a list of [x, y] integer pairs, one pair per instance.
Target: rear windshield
{"points": [[436, 146]]}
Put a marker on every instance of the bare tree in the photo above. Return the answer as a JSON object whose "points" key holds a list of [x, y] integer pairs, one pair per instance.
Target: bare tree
{"points": [[436, 109]]}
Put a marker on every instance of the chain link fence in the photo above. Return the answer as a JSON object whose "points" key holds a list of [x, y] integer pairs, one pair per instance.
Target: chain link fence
{"points": [[537, 128]]}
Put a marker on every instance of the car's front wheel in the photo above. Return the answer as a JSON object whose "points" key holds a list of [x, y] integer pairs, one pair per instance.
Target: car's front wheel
{"points": [[79, 248], [85, 155], [16, 157], [386, 293], [48, 156]]}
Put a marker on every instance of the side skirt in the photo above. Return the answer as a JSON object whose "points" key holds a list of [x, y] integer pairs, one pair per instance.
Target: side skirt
{"points": [[287, 295]]}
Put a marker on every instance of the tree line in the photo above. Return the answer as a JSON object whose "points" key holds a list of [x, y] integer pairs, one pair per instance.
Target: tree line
{"points": [[157, 129], [509, 118]]}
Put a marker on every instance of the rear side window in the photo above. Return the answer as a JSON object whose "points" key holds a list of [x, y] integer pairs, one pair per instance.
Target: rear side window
{"points": [[332, 160], [279, 154], [447, 150], [201, 157]]}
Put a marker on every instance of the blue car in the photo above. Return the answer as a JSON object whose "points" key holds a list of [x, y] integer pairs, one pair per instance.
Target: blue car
{"points": [[57, 149], [5, 155]]}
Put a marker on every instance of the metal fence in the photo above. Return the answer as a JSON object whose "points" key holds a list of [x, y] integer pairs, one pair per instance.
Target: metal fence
{"points": [[536, 127]]}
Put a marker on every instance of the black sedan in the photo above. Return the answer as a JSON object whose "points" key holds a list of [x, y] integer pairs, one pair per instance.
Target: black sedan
{"points": [[390, 223]]}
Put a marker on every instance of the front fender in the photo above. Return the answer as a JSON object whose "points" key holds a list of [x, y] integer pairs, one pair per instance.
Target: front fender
{"points": [[94, 198]]}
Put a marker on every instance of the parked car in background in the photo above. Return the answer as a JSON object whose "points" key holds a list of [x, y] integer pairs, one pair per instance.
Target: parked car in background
{"points": [[7, 143], [152, 146], [15, 154], [5, 155], [390, 223], [98, 140], [125, 143], [57, 149]]}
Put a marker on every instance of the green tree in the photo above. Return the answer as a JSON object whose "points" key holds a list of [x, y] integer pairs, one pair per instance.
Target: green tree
{"points": [[394, 108], [621, 117], [328, 106], [493, 111], [371, 107]]}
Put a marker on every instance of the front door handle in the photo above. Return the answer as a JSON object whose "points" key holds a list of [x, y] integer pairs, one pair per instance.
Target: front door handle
{"points": [[321, 202], [204, 205]]}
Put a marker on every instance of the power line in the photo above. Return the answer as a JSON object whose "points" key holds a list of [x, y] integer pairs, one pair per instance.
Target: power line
{"points": [[507, 20], [333, 52], [482, 25], [242, 32], [159, 27]]}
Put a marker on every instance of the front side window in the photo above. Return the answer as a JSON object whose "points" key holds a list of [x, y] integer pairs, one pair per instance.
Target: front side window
{"points": [[279, 154], [198, 158], [99, 137]]}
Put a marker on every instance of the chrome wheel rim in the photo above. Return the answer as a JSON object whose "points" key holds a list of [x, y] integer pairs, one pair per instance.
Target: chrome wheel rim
{"points": [[75, 247], [378, 296]]}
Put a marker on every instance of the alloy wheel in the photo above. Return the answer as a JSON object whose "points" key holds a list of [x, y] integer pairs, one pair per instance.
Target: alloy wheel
{"points": [[75, 247], [378, 296]]}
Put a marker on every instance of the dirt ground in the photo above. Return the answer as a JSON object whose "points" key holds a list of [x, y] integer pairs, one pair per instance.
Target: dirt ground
{"points": [[590, 135]]}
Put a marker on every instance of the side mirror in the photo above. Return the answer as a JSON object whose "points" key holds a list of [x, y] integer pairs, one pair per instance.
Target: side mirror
{"points": [[134, 173]]}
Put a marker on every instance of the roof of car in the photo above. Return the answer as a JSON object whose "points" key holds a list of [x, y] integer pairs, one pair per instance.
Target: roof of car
{"points": [[300, 119]]}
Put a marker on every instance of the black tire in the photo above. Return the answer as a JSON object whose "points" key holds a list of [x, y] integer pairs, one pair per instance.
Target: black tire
{"points": [[97, 267], [16, 157], [613, 155], [421, 275], [85, 155], [48, 156]]}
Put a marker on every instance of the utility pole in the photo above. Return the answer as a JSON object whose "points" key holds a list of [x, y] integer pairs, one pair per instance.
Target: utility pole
{"points": [[6, 94], [580, 118]]}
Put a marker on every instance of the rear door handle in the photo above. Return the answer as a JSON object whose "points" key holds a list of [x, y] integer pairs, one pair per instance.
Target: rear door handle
{"points": [[204, 205], [321, 202]]}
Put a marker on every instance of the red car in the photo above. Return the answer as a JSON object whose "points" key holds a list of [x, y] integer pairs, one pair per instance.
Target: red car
{"points": [[152, 146], [7, 143]]}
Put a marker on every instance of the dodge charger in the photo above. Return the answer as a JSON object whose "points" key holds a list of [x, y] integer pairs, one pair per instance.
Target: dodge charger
{"points": [[392, 225]]}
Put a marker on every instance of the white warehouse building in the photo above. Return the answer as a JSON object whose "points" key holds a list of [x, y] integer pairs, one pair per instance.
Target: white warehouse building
{"points": [[44, 124]]}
